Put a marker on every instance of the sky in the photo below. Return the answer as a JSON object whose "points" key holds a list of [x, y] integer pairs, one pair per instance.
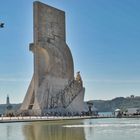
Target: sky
{"points": [[104, 38]]}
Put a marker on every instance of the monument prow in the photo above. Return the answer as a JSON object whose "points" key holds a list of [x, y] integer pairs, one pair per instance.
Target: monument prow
{"points": [[53, 87]]}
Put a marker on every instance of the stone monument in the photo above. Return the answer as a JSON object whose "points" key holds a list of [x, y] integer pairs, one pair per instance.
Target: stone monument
{"points": [[53, 88]]}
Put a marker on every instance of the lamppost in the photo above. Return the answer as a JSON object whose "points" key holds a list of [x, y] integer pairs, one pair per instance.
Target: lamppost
{"points": [[1, 25]]}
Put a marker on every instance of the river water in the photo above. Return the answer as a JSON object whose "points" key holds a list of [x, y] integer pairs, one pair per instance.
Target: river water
{"points": [[88, 129]]}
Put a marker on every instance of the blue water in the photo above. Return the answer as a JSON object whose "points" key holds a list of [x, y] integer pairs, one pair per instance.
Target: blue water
{"points": [[89, 129]]}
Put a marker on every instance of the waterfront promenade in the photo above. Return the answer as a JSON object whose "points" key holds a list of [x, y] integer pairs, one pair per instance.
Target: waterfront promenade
{"points": [[54, 118], [42, 118]]}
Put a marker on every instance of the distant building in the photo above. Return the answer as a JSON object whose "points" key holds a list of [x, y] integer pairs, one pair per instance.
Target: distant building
{"points": [[118, 113], [137, 97], [129, 112], [9, 108], [133, 111]]}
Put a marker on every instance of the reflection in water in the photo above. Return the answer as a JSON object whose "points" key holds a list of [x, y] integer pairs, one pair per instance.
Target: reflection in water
{"points": [[49, 131], [11, 131], [9, 128], [94, 129], [89, 131]]}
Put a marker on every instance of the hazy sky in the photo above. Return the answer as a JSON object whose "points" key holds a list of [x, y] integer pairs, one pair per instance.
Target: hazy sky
{"points": [[103, 35]]}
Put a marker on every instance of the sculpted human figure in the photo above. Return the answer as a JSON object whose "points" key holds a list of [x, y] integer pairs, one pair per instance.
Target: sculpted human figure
{"points": [[78, 78]]}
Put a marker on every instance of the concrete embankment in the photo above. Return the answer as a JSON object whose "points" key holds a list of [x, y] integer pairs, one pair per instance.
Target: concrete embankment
{"points": [[53, 118], [41, 118]]}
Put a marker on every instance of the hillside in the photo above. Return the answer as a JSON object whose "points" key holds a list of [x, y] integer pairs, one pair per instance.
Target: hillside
{"points": [[119, 102], [101, 105], [3, 107]]}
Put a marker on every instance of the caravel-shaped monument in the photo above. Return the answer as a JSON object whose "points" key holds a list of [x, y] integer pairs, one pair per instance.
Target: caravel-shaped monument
{"points": [[53, 87]]}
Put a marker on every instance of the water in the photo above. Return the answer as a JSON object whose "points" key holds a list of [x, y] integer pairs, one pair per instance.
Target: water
{"points": [[106, 114], [90, 129]]}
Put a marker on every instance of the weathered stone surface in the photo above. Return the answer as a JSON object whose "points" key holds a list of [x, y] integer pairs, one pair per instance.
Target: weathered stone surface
{"points": [[53, 87]]}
